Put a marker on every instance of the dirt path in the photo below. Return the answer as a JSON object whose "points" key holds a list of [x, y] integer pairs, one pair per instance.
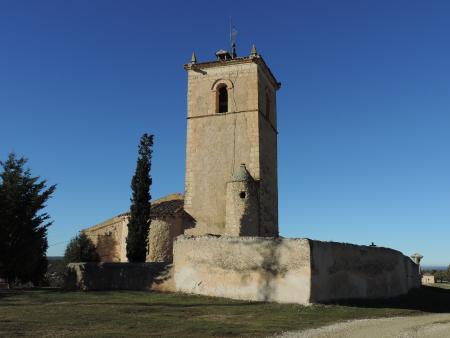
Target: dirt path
{"points": [[427, 326]]}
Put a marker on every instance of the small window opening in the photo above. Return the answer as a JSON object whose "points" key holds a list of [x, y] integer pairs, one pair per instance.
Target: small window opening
{"points": [[223, 99], [242, 194]]}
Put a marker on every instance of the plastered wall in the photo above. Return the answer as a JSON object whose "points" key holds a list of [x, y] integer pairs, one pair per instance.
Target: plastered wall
{"points": [[251, 268], [289, 270], [347, 271]]}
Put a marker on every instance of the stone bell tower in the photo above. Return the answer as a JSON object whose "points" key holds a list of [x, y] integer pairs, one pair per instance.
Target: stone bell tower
{"points": [[231, 152]]}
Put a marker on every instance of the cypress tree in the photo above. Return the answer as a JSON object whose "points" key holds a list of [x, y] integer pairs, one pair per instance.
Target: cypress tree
{"points": [[23, 227], [139, 222]]}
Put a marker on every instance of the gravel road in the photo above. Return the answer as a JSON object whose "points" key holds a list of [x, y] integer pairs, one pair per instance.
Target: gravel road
{"points": [[425, 326]]}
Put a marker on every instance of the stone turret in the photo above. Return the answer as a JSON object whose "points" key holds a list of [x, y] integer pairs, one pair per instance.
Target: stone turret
{"points": [[417, 257], [242, 205]]}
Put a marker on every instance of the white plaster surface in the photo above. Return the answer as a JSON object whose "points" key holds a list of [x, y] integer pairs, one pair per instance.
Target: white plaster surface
{"points": [[251, 268], [289, 270]]}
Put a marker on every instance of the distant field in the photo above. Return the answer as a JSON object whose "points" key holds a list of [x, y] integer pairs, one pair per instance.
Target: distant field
{"points": [[433, 267], [116, 314]]}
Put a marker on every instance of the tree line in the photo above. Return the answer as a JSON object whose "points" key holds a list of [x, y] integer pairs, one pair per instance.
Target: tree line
{"points": [[440, 276], [24, 223]]}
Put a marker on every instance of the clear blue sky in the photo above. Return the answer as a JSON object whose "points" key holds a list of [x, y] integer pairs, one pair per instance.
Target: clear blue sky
{"points": [[363, 112]]}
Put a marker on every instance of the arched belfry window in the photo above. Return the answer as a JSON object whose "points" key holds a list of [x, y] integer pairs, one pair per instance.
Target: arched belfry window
{"points": [[221, 91], [223, 99]]}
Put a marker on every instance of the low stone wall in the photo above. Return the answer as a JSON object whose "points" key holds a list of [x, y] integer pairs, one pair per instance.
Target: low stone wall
{"points": [[119, 276], [251, 268], [289, 270], [342, 271]]}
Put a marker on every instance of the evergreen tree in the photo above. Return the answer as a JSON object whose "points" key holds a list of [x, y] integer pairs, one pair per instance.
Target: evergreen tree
{"points": [[139, 222], [23, 227], [80, 249]]}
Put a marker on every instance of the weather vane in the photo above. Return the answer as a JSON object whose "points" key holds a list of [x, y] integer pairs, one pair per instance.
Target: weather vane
{"points": [[233, 33]]}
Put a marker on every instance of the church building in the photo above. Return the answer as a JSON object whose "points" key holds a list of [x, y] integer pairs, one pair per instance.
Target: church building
{"points": [[231, 161], [231, 151], [222, 234]]}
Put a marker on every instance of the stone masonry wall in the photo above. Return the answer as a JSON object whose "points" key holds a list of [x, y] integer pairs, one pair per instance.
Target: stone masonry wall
{"points": [[242, 209], [347, 271], [109, 239], [161, 237], [169, 221], [268, 157], [218, 143], [119, 276]]}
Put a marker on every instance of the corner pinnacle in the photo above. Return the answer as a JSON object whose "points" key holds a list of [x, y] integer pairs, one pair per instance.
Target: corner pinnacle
{"points": [[253, 51], [193, 58]]}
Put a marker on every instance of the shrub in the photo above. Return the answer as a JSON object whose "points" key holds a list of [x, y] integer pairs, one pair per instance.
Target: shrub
{"points": [[81, 249]]}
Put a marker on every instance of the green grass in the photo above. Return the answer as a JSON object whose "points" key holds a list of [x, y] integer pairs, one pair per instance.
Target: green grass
{"points": [[117, 314]]}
